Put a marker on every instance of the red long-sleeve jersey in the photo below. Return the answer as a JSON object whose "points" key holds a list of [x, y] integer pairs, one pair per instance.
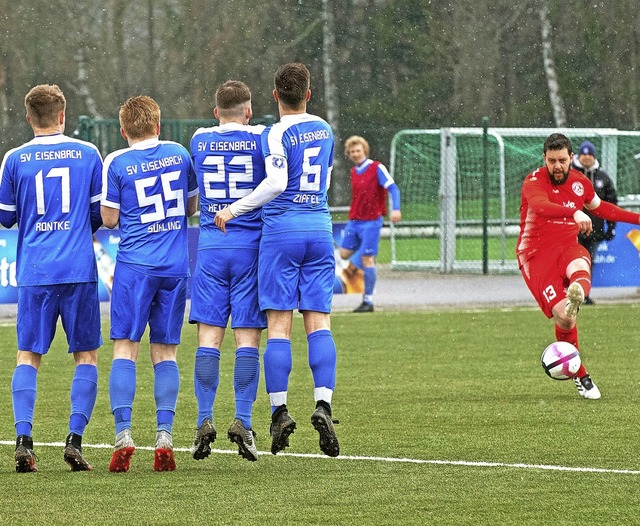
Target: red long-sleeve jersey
{"points": [[546, 212]]}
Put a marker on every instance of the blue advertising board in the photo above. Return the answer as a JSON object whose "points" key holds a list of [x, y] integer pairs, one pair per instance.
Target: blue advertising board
{"points": [[105, 245], [617, 262]]}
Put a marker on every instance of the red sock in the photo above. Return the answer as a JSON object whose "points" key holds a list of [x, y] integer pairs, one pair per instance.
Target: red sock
{"points": [[584, 278], [568, 335], [571, 336]]}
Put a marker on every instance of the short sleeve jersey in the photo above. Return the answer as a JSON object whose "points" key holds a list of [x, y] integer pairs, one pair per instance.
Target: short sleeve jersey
{"points": [[150, 184], [229, 165], [51, 182], [306, 143], [555, 228]]}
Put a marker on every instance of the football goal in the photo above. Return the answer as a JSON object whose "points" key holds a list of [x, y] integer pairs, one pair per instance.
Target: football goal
{"points": [[461, 191]]}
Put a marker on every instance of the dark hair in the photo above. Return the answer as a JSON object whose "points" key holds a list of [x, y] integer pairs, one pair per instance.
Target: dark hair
{"points": [[557, 141], [231, 94], [292, 82]]}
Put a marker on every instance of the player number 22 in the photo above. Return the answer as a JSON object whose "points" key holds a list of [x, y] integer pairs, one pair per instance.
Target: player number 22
{"points": [[157, 200], [244, 175]]}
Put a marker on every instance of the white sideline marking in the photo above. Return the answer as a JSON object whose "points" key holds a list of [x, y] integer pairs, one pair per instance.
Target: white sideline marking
{"points": [[475, 464]]}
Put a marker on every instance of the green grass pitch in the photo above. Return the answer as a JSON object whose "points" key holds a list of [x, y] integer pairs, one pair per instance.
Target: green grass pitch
{"points": [[446, 417]]}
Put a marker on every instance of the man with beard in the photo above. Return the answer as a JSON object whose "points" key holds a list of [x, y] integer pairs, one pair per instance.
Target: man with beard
{"points": [[555, 267]]}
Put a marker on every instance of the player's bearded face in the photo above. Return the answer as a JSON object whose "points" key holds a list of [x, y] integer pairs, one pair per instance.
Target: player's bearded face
{"points": [[558, 163]]}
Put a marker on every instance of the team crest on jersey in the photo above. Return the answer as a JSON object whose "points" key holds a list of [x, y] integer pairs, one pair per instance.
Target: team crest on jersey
{"points": [[278, 162], [577, 188]]}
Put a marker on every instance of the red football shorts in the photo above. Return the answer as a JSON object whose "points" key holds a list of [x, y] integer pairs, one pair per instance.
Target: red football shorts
{"points": [[546, 274]]}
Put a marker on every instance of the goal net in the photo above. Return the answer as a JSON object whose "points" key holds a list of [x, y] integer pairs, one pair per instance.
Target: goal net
{"points": [[461, 191]]}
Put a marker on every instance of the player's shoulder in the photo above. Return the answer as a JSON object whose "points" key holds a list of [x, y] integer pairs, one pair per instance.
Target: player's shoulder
{"points": [[111, 157], [577, 175], [170, 145], [538, 175], [79, 143], [204, 130], [15, 152]]}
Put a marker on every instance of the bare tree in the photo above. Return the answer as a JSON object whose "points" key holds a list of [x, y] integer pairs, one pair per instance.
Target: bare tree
{"points": [[331, 93], [559, 113]]}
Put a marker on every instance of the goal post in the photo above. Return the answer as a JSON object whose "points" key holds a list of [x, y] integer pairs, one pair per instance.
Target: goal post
{"points": [[440, 174]]}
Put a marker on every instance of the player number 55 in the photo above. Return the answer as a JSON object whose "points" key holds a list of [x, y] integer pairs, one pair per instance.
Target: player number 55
{"points": [[157, 200]]}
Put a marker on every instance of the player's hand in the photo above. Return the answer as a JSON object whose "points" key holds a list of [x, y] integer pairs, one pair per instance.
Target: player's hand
{"points": [[611, 233], [222, 217], [583, 221], [395, 216]]}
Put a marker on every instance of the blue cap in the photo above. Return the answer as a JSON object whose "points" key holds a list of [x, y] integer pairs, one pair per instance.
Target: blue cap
{"points": [[587, 148]]}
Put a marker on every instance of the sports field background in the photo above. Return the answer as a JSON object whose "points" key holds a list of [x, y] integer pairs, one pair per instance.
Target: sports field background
{"points": [[446, 417]]}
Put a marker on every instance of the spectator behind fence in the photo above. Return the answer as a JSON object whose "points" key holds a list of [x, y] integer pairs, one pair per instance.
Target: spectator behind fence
{"points": [[587, 163]]}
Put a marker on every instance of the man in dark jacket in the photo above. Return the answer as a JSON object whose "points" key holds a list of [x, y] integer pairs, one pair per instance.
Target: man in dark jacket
{"points": [[587, 163]]}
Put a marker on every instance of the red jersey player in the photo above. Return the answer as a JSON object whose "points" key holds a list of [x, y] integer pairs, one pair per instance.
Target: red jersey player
{"points": [[370, 182], [555, 267]]}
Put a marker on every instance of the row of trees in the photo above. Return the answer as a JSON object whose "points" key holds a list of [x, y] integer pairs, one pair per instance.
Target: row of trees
{"points": [[378, 66]]}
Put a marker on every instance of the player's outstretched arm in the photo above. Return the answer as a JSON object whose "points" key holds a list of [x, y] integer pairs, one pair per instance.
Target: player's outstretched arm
{"points": [[612, 212]]}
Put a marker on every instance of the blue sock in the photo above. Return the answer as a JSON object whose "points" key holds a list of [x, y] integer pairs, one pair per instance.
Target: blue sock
{"points": [[277, 365], [23, 390], [370, 277], [246, 374], [206, 376], [165, 391], [122, 390], [84, 390], [322, 358]]}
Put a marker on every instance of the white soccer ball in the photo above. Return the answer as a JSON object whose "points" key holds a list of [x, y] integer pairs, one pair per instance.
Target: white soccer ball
{"points": [[561, 360]]}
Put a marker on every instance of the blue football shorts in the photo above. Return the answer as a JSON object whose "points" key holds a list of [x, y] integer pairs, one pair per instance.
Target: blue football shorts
{"points": [[138, 299], [363, 236], [296, 272], [76, 304], [225, 284]]}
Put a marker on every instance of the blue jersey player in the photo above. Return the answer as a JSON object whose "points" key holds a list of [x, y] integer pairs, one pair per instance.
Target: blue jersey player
{"points": [[296, 263], [149, 188], [229, 165], [51, 187]]}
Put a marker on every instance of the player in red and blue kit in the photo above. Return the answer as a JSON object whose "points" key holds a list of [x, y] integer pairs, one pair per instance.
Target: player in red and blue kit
{"points": [[370, 182], [149, 188], [229, 165], [51, 187], [296, 264], [555, 267]]}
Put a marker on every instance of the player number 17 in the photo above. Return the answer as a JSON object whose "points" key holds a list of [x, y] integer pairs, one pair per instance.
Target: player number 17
{"points": [[65, 200]]}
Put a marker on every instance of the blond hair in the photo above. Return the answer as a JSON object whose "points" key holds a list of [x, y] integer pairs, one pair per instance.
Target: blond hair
{"points": [[139, 117], [354, 140], [44, 104]]}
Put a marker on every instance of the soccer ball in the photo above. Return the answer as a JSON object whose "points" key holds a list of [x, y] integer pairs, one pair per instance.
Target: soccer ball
{"points": [[561, 360]]}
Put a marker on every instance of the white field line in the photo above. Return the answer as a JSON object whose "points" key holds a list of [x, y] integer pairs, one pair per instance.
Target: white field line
{"points": [[466, 463]]}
